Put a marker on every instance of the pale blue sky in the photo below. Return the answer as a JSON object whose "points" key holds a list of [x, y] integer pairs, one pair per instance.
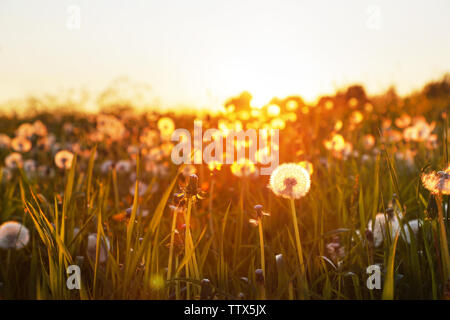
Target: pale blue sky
{"points": [[199, 52]]}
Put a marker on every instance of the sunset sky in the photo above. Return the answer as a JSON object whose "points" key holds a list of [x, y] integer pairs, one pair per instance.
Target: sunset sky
{"points": [[200, 52]]}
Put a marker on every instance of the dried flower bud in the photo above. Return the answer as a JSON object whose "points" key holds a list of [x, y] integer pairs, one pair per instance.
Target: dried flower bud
{"points": [[259, 276], [192, 187], [280, 261], [206, 292], [258, 209], [244, 279]]}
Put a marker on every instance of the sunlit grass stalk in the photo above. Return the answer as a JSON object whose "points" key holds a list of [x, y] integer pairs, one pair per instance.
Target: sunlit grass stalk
{"points": [[210, 205], [263, 262], [177, 285], [303, 281], [172, 237], [116, 189], [238, 232], [191, 264], [443, 239]]}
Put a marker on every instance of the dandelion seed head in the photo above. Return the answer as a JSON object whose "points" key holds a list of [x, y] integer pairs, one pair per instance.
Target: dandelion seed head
{"points": [[336, 143], [106, 166], [273, 110], [13, 235], [63, 159], [14, 160], [142, 189], [111, 127], [329, 105], [166, 127], [277, 123], [21, 144], [5, 141], [437, 182], [214, 165], [123, 166], [381, 226], [290, 180], [368, 107], [368, 141], [92, 247], [356, 117], [39, 128], [403, 121], [25, 130], [353, 102], [243, 168]]}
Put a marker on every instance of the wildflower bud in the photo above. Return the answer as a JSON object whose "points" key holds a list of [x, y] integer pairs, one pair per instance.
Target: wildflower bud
{"points": [[258, 209], [128, 211], [280, 261], [443, 175], [192, 187], [244, 279], [259, 276], [206, 292], [178, 199]]}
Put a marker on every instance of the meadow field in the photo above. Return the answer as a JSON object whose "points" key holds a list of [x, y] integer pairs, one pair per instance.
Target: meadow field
{"points": [[362, 186]]}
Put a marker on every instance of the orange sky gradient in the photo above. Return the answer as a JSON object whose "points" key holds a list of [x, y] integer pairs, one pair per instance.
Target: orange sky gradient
{"points": [[199, 53]]}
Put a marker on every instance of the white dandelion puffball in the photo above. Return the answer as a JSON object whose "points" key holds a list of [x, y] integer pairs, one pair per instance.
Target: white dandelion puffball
{"points": [[92, 248], [415, 225], [383, 224], [437, 182], [290, 180], [13, 235], [63, 159]]}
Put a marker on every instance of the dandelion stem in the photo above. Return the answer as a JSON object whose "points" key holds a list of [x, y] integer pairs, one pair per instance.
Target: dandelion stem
{"points": [[172, 236], [189, 248], [261, 245], [187, 245], [299, 246], [211, 226], [443, 238]]}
